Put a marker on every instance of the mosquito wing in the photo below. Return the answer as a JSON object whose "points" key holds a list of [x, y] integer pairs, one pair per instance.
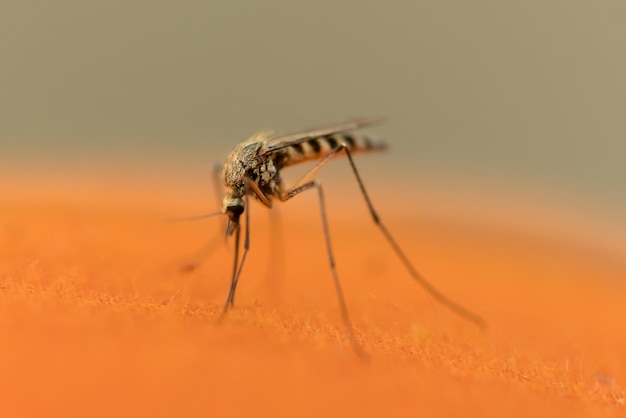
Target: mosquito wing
{"points": [[284, 141]]}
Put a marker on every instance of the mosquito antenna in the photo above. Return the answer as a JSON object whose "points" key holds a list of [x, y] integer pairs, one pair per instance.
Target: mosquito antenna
{"points": [[203, 252], [194, 217]]}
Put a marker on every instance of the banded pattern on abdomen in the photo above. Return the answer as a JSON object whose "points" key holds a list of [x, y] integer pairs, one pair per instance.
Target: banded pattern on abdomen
{"points": [[319, 147]]}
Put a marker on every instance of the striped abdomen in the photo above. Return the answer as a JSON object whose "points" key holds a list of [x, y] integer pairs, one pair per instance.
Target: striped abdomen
{"points": [[319, 147]]}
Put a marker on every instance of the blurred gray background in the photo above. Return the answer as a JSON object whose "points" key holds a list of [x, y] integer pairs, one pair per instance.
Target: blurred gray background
{"points": [[505, 94]]}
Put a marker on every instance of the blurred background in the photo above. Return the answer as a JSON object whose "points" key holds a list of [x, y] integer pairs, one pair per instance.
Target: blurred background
{"points": [[498, 109]]}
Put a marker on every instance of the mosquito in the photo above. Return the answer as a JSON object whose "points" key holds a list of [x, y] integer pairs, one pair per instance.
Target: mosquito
{"points": [[253, 169]]}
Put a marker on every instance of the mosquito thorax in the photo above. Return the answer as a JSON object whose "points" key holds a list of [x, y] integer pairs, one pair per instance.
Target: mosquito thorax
{"points": [[242, 159]]}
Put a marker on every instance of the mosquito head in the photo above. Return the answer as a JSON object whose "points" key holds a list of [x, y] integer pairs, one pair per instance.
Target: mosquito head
{"points": [[233, 206]]}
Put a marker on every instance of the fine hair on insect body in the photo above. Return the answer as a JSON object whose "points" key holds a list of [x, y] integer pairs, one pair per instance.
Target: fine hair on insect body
{"points": [[253, 169]]}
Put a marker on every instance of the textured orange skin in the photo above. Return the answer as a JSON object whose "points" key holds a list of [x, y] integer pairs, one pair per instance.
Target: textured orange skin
{"points": [[97, 320]]}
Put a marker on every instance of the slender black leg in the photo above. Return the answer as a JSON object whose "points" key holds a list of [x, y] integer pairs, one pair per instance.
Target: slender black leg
{"points": [[433, 291], [342, 302], [275, 273], [218, 186], [251, 187]]}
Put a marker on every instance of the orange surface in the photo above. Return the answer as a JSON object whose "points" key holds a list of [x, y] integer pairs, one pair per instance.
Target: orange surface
{"points": [[97, 320]]}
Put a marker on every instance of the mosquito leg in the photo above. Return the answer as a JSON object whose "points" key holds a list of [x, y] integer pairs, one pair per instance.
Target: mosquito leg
{"points": [[275, 272], [237, 266], [217, 183], [433, 291], [342, 302], [233, 281], [203, 254], [251, 186]]}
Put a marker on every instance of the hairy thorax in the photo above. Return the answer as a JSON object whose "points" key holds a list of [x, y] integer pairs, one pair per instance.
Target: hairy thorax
{"points": [[248, 160]]}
